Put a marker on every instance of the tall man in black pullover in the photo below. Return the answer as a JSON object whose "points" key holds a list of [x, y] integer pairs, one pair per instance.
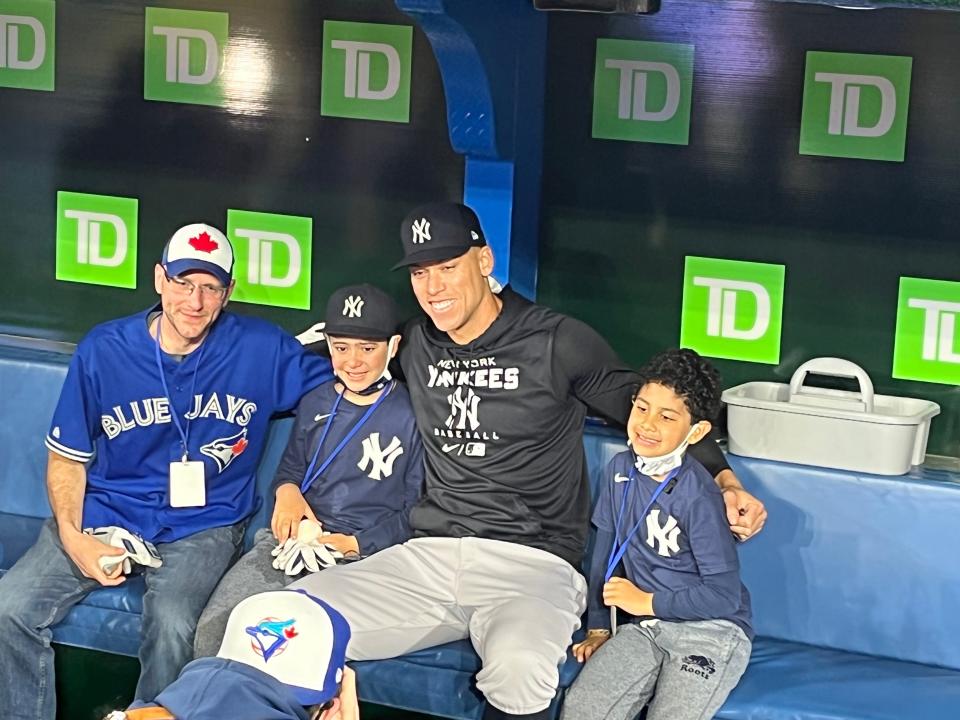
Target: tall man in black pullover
{"points": [[500, 389]]}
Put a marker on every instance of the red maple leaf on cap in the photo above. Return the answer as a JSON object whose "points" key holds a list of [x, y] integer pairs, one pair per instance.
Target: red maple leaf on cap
{"points": [[290, 632], [203, 243]]}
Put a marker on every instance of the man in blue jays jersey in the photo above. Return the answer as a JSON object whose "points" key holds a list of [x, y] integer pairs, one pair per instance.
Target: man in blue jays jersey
{"points": [[158, 431], [354, 461]]}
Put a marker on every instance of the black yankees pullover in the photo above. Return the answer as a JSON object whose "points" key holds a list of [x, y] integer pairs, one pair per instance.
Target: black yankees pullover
{"points": [[502, 425]]}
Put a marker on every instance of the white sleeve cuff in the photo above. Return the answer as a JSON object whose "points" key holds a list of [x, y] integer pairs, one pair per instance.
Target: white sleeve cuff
{"points": [[67, 452]]}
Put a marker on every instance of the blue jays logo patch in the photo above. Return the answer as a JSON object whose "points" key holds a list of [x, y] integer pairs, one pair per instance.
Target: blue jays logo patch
{"points": [[270, 636], [224, 450]]}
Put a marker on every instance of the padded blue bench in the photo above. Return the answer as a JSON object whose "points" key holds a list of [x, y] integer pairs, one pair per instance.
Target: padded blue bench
{"points": [[854, 581]]}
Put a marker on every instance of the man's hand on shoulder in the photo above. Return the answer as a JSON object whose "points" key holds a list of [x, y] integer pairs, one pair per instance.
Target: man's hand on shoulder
{"points": [[745, 513], [85, 552]]}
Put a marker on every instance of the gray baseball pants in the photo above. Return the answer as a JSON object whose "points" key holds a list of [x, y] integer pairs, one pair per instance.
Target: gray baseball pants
{"points": [[693, 666], [518, 605]]}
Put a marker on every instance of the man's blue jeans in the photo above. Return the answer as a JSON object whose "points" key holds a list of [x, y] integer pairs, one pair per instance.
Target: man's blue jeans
{"points": [[44, 584]]}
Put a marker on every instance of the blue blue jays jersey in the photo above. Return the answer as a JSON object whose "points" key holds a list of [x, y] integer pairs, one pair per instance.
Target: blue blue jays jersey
{"points": [[114, 415], [684, 537], [373, 482]]}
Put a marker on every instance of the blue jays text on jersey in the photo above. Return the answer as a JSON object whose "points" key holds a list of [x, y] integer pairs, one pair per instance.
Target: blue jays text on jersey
{"points": [[113, 414], [156, 410]]}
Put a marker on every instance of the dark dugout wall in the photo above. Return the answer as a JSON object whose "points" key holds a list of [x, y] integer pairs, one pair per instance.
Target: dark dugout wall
{"points": [[619, 217], [262, 146]]}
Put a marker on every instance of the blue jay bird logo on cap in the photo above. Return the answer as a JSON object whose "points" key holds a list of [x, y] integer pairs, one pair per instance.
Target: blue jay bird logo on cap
{"points": [[270, 636]]}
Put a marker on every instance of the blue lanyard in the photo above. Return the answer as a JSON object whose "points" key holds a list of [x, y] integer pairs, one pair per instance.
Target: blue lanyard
{"points": [[618, 549], [184, 433], [309, 476]]}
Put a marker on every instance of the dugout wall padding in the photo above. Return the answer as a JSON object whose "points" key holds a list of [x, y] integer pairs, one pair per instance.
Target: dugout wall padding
{"points": [[267, 149], [620, 217]]}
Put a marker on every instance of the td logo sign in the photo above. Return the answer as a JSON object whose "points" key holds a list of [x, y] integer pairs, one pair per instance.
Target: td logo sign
{"points": [[97, 239], [641, 91], [27, 44], [273, 254], [732, 309], [855, 106], [366, 71], [927, 341], [183, 55]]}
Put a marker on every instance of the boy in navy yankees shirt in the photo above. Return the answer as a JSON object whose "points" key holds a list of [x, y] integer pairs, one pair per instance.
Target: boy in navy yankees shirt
{"points": [[353, 463], [660, 514]]}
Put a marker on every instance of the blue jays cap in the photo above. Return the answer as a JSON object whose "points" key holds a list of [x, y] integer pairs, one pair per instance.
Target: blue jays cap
{"points": [[439, 231], [361, 311], [199, 247], [293, 637]]}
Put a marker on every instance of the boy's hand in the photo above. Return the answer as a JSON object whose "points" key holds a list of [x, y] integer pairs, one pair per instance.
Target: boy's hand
{"points": [[346, 544], [289, 510], [595, 638], [625, 595]]}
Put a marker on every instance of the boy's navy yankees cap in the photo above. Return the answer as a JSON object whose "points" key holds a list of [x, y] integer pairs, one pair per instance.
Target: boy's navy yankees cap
{"points": [[439, 231], [292, 636], [361, 311], [199, 247]]}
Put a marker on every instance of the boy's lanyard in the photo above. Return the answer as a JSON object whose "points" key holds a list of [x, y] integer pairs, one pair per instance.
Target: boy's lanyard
{"points": [[184, 432], [309, 476], [618, 549]]}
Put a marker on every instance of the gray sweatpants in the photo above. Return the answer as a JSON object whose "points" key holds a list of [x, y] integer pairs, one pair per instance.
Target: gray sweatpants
{"points": [[693, 666], [518, 605], [252, 574]]}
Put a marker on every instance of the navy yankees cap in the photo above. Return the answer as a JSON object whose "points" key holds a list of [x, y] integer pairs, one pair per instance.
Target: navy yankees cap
{"points": [[438, 231], [361, 311]]}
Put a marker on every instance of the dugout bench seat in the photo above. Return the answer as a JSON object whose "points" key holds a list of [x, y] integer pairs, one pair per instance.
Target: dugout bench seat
{"points": [[854, 580]]}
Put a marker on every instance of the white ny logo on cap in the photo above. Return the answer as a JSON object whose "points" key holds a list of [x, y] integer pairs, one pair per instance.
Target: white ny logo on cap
{"points": [[421, 231], [353, 306]]}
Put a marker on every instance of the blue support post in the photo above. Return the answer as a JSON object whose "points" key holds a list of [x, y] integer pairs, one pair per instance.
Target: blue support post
{"points": [[492, 58]]}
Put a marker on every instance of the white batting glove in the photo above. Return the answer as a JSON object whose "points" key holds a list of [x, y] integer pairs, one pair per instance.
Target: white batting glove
{"points": [[304, 552], [136, 549], [295, 556], [312, 334]]}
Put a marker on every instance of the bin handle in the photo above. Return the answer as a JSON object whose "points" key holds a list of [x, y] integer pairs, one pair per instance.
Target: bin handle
{"points": [[834, 367]]}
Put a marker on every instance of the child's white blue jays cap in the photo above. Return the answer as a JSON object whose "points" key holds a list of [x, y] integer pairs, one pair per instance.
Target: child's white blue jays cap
{"points": [[292, 636], [199, 247]]}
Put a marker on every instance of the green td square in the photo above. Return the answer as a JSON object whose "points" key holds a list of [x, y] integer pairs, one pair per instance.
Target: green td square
{"points": [[855, 106], [27, 42], [97, 239], [732, 309], [366, 71], [927, 345], [184, 55], [641, 91], [272, 258]]}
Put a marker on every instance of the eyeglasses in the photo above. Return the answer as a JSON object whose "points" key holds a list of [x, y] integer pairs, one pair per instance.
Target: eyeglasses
{"points": [[185, 287]]}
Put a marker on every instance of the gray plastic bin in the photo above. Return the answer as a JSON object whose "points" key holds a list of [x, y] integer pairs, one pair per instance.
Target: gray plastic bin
{"points": [[857, 431]]}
